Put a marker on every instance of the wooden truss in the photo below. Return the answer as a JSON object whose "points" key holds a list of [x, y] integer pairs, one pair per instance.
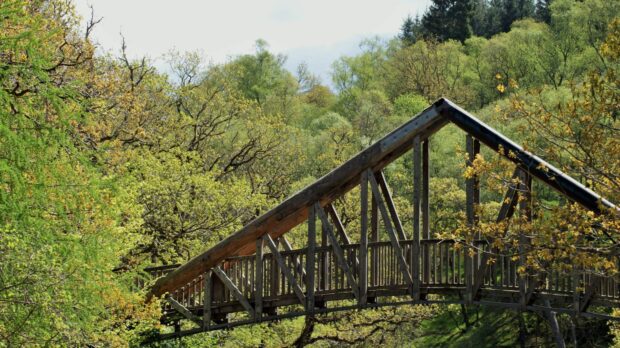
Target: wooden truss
{"points": [[238, 277]]}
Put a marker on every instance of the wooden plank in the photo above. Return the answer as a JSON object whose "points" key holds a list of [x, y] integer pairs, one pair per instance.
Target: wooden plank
{"points": [[234, 290], [555, 327], [473, 185], [390, 230], [363, 269], [207, 299], [258, 294], [338, 251], [387, 196], [184, 311], [587, 297], [534, 165], [576, 288], [417, 191], [310, 260], [284, 268]]}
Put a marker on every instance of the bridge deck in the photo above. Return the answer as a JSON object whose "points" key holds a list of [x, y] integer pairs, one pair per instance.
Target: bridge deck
{"points": [[443, 273]]}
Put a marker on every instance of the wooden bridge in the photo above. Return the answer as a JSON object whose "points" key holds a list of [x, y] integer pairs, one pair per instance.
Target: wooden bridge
{"points": [[255, 275]]}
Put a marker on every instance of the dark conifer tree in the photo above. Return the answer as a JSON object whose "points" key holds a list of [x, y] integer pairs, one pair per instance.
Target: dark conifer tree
{"points": [[410, 30], [543, 14], [493, 17], [448, 19], [478, 18], [514, 10]]}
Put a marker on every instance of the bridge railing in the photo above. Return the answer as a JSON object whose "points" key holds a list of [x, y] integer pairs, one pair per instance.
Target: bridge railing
{"points": [[442, 265]]}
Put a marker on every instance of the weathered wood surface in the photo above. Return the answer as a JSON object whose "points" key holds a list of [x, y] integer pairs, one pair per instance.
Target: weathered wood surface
{"points": [[500, 286]]}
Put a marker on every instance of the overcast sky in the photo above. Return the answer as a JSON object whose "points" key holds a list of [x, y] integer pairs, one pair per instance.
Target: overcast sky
{"points": [[313, 31]]}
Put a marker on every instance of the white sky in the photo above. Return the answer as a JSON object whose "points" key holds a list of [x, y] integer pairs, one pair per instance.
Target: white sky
{"points": [[316, 32]]}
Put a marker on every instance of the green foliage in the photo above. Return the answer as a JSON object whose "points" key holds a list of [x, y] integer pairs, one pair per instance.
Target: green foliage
{"points": [[107, 164], [58, 235]]}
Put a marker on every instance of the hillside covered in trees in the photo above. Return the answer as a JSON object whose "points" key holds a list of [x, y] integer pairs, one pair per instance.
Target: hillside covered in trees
{"points": [[108, 165]]}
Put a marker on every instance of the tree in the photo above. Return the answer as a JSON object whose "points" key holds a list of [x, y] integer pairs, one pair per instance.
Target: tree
{"points": [[448, 19], [514, 10], [59, 237], [410, 30], [480, 10], [262, 75], [542, 12]]}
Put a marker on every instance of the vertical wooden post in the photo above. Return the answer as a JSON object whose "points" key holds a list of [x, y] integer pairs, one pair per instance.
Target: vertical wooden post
{"points": [[417, 190], [374, 236], [576, 292], [206, 305], [363, 269], [258, 295], [275, 273], [310, 259], [426, 231], [472, 192], [472, 184], [525, 201], [324, 266]]}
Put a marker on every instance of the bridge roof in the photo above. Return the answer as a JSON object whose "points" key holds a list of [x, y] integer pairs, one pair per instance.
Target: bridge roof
{"points": [[294, 210]]}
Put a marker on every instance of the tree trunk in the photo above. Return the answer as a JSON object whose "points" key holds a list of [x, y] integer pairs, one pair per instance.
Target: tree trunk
{"points": [[306, 332]]}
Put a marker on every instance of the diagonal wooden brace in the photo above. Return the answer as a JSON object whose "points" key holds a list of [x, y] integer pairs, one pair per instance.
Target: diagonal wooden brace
{"points": [[506, 211], [233, 288], [388, 225], [285, 270], [184, 311], [342, 262]]}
